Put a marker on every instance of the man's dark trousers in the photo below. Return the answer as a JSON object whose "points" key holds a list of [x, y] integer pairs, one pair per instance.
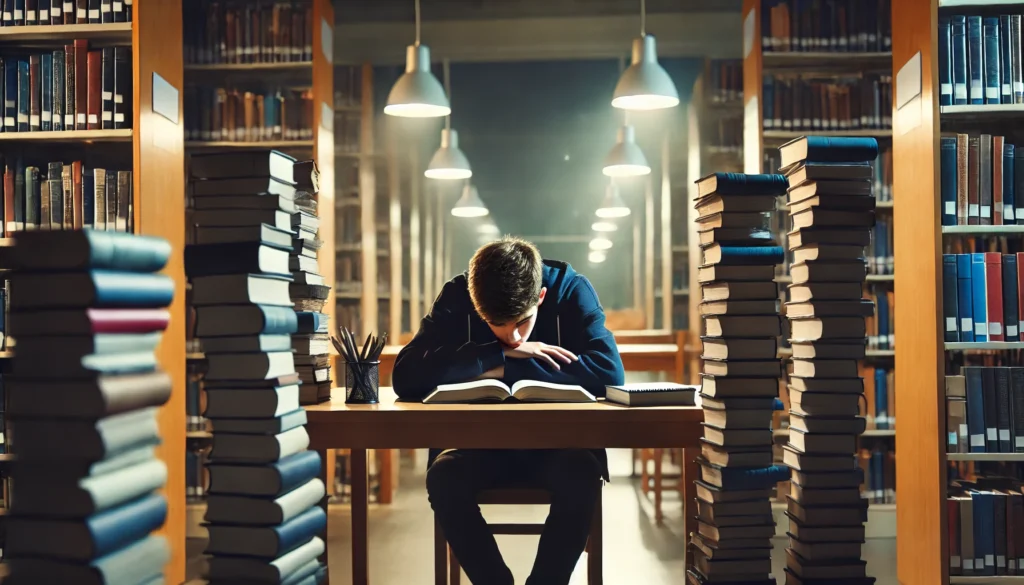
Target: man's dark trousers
{"points": [[573, 478]]}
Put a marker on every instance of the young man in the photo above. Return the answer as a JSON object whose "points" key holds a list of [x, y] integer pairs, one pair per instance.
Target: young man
{"points": [[514, 317]]}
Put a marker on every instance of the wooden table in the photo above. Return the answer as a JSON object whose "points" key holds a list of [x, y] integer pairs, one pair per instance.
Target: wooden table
{"points": [[398, 425]]}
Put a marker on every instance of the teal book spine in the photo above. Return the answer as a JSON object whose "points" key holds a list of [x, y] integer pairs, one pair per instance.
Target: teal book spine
{"points": [[841, 149], [992, 68]]}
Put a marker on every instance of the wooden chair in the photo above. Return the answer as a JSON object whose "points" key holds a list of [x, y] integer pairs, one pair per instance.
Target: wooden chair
{"points": [[445, 559]]}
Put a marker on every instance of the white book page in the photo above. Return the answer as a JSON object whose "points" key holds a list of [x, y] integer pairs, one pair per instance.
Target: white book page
{"points": [[472, 391], [293, 441], [536, 391]]}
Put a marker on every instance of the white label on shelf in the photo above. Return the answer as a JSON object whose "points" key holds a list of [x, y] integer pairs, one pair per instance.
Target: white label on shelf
{"points": [[57, 11], [93, 119], [118, 98], [81, 13], [1007, 90], [954, 561], [992, 93], [69, 121], [950, 323], [1018, 442], [990, 560], [118, 6], [1008, 213], [47, 116], [976, 90], [8, 16], [968, 564], [995, 328], [69, 7], [105, 8], [966, 324], [23, 118], [946, 88], [44, 15], [986, 211], [963, 431], [978, 440], [33, 120], [950, 208], [1000, 561], [1011, 330], [980, 329], [9, 121], [991, 434], [959, 91], [18, 14], [951, 438], [30, 15], [1004, 434], [81, 119], [94, 13], [972, 210], [108, 95], [118, 118], [108, 115]]}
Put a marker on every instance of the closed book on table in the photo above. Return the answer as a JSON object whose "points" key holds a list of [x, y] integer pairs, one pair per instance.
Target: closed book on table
{"points": [[965, 297]]}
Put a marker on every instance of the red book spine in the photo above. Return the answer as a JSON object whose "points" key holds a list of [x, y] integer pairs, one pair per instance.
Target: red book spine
{"points": [[997, 180], [94, 108], [994, 295], [128, 320]]}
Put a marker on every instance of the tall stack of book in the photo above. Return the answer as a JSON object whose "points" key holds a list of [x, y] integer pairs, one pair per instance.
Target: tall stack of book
{"points": [[309, 293], [88, 311], [832, 212], [740, 306], [263, 496]]}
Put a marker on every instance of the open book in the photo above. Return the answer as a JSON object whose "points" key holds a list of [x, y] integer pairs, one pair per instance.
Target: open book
{"points": [[498, 391]]}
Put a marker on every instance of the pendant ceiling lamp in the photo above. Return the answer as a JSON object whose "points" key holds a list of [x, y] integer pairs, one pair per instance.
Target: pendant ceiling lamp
{"points": [[625, 158], [417, 93], [469, 205], [604, 226], [597, 257], [600, 243], [613, 206], [645, 85], [448, 162]]}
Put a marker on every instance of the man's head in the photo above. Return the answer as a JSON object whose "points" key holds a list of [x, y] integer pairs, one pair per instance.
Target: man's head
{"points": [[505, 287]]}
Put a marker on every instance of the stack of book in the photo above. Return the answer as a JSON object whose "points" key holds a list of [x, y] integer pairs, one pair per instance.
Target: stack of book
{"points": [[88, 311], [263, 496], [740, 308], [832, 212], [309, 293]]}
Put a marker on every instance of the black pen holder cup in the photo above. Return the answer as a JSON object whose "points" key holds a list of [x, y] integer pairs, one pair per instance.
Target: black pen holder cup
{"points": [[362, 382]]}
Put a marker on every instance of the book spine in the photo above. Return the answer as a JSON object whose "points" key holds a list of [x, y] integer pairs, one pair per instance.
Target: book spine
{"points": [[68, 11], [19, 195], [10, 94], [997, 180], [988, 388], [980, 299], [19, 12], [77, 195], [1017, 408], [44, 203], [88, 200], [68, 196], [81, 49], [56, 191], [945, 64], [95, 16], [976, 60], [8, 13], [1011, 316], [122, 87], [24, 95], [107, 97], [949, 297], [1005, 61], [974, 180], [100, 196], [985, 180], [10, 226], [31, 12], [106, 11], [1018, 185], [110, 192], [992, 67], [948, 172], [124, 194], [959, 54], [35, 94], [69, 81], [1009, 193], [119, 11], [94, 60], [81, 13], [58, 90], [1016, 64], [46, 87], [31, 198], [1002, 379], [56, 11]]}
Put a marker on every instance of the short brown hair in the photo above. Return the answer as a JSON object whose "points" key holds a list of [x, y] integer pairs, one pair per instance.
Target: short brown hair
{"points": [[505, 279]]}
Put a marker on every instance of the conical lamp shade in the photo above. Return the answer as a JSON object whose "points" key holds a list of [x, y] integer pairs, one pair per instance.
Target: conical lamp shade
{"points": [[417, 93], [612, 206], [448, 162], [625, 158], [469, 205], [645, 85]]}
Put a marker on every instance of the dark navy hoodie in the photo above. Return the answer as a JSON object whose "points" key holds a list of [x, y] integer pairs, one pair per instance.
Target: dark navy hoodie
{"points": [[455, 345]]}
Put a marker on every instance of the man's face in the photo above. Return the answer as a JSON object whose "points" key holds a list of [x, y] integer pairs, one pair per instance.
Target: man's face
{"points": [[515, 333]]}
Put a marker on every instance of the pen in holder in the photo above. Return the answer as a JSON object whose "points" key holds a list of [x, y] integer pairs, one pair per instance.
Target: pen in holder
{"points": [[362, 366]]}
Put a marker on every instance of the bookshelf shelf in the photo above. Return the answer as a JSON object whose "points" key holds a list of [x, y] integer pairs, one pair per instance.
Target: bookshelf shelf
{"points": [[981, 111], [231, 144], [985, 456], [993, 580], [781, 59], [791, 134], [983, 345], [115, 33], [971, 230], [195, 356], [977, 3], [198, 435], [305, 66], [867, 433], [122, 135]]}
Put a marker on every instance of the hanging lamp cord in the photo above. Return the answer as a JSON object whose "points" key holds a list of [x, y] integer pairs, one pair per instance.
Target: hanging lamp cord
{"points": [[448, 91], [418, 22], [643, 18]]}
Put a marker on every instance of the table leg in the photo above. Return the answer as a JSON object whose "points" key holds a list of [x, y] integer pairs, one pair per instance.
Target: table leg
{"points": [[690, 473], [659, 454], [360, 503], [325, 477]]}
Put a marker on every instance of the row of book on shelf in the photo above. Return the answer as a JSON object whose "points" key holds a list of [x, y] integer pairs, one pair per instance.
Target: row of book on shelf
{"points": [[979, 181], [981, 297], [985, 410], [980, 60], [841, 26], [261, 31], [51, 12], [213, 114], [725, 80], [985, 525], [65, 196], [805, 102], [73, 88]]}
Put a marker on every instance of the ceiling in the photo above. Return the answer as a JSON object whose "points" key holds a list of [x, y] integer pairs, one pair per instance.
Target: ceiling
{"points": [[351, 11]]}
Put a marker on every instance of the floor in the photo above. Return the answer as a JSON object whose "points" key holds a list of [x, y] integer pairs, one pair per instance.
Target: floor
{"points": [[636, 551]]}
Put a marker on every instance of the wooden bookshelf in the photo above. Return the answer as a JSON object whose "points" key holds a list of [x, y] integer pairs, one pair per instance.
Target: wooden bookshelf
{"points": [[305, 67], [76, 136], [116, 33], [241, 145]]}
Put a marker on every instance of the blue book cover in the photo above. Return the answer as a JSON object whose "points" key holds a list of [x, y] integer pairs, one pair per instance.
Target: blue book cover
{"points": [[751, 255], [311, 322], [980, 309], [984, 542], [284, 538], [947, 177], [130, 289], [975, 61], [744, 184], [117, 527], [958, 49], [1005, 60], [95, 249], [975, 409], [46, 83], [945, 64], [289, 473], [24, 95], [882, 302], [1009, 194], [309, 574], [992, 68], [839, 149], [1011, 315], [881, 399], [965, 294], [747, 478], [949, 299]]}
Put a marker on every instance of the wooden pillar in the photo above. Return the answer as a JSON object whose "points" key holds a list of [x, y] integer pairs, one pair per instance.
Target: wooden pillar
{"points": [[368, 206], [415, 237], [323, 151], [753, 85]]}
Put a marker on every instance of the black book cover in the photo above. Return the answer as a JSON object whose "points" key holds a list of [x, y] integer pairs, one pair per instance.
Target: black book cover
{"points": [[19, 195], [32, 12], [107, 95], [999, 501], [122, 87], [1011, 314], [81, 12], [8, 13], [94, 12], [118, 11], [32, 205], [23, 95], [949, 298], [19, 12], [10, 94], [110, 191], [107, 11], [991, 398], [69, 87], [46, 89], [35, 112], [3, 93], [56, 189], [1017, 408], [128, 10], [1002, 378], [68, 11], [56, 11], [58, 90]]}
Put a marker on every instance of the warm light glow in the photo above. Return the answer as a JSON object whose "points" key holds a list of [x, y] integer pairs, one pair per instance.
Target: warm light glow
{"points": [[626, 170], [600, 243], [417, 110], [448, 174], [597, 257], [487, 228], [604, 226], [611, 212], [469, 211], [645, 102]]}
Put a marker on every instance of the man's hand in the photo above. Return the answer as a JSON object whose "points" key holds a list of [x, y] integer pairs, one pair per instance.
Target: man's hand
{"points": [[550, 354]]}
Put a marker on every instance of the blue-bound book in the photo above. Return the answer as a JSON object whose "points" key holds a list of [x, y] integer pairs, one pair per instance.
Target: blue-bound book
{"points": [[947, 176], [24, 96], [46, 86], [881, 399], [984, 524], [230, 320], [95, 288], [1011, 315], [311, 322], [950, 302], [268, 542], [91, 249], [264, 480], [945, 64], [965, 297], [742, 184], [975, 408], [979, 297], [139, 562], [828, 149], [1009, 194], [992, 68], [975, 61], [312, 573], [1018, 184], [958, 49], [1005, 60], [743, 255], [280, 571], [85, 540], [747, 478]]}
